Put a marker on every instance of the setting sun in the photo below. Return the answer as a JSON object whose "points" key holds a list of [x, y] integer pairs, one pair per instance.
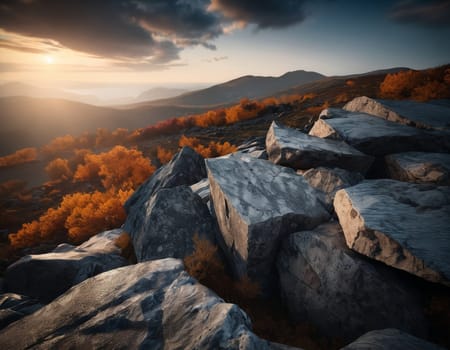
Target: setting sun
{"points": [[49, 59]]}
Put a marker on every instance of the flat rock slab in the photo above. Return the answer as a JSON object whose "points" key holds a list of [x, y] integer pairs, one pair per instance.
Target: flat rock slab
{"points": [[419, 167], [329, 181], [401, 224], [171, 218], [418, 114], [289, 147], [378, 137], [46, 276], [186, 168], [257, 203], [390, 339], [340, 293], [151, 305]]}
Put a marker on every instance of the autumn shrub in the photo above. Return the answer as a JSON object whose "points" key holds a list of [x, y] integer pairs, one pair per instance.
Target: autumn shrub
{"points": [[417, 85], [119, 168], [164, 156], [213, 149], [125, 244], [78, 217], [59, 170], [21, 156]]}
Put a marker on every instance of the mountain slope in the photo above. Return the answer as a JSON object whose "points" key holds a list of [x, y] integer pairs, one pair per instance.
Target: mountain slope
{"points": [[159, 93], [247, 86]]}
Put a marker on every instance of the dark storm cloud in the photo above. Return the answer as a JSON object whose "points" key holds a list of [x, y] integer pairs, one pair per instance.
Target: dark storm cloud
{"points": [[149, 31], [263, 13], [431, 13], [116, 28]]}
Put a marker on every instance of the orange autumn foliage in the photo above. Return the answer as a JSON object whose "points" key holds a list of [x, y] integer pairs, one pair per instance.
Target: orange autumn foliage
{"points": [[213, 149], [78, 217], [58, 170], [417, 85], [21, 156], [119, 168], [163, 155]]}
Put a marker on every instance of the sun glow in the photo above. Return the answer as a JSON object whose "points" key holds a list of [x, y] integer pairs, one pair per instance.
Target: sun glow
{"points": [[49, 59]]}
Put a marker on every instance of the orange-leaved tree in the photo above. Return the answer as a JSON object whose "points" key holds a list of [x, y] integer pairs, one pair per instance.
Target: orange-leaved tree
{"points": [[21, 156], [120, 168], [213, 149], [58, 170]]}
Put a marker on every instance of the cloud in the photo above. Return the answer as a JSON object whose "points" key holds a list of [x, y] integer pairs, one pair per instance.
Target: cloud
{"points": [[431, 13], [216, 59], [138, 31], [262, 13], [121, 29]]}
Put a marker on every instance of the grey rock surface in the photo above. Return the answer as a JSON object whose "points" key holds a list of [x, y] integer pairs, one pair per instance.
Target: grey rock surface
{"points": [[14, 306], [329, 181], [419, 114], [186, 168], [378, 137], [257, 203], [390, 339], [151, 305], [293, 148], [46, 276], [171, 218], [201, 189], [255, 147], [401, 224], [339, 292], [419, 167]]}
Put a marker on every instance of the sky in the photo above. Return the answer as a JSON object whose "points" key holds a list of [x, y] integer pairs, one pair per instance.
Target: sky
{"points": [[188, 43]]}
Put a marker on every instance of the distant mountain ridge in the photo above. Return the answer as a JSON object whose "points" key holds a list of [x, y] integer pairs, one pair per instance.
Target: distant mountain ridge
{"points": [[158, 93], [246, 86]]}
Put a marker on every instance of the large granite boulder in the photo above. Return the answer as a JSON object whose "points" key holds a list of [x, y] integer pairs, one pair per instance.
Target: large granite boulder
{"points": [[45, 276], [401, 224], [258, 203], [289, 147], [172, 217], [186, 168], [329, 181], [419, 167], [339, 292], [255, 147], [151, 305], [390, 339], [14, 306], [378, 137], [419, 114], [201, 189]]}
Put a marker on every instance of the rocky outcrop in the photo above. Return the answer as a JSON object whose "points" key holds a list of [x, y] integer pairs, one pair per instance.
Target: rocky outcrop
{"points": [[257, 204], [171, 217], [255, 147], [329, 181], [340, 293], [45, 276], [401, 224], [201, 189], [186, 168], [419, 114], [419, 167], [378, 137], [390, 339], [151, 305], [14, 306], [289, 147]]}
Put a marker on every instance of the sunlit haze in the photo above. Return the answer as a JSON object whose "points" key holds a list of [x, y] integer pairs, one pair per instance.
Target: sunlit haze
{"points": [[137, 45]]}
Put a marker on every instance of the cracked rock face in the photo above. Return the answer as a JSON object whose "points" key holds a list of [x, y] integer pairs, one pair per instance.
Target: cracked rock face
{"points": [[329, 181], [378, 137], [401, 224], [419, 167], [298, 150], [390, 339], [151, 305], [187, 167], [257, 203], [46, 276], [339, 292], [171, 217], [419, 114]]}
